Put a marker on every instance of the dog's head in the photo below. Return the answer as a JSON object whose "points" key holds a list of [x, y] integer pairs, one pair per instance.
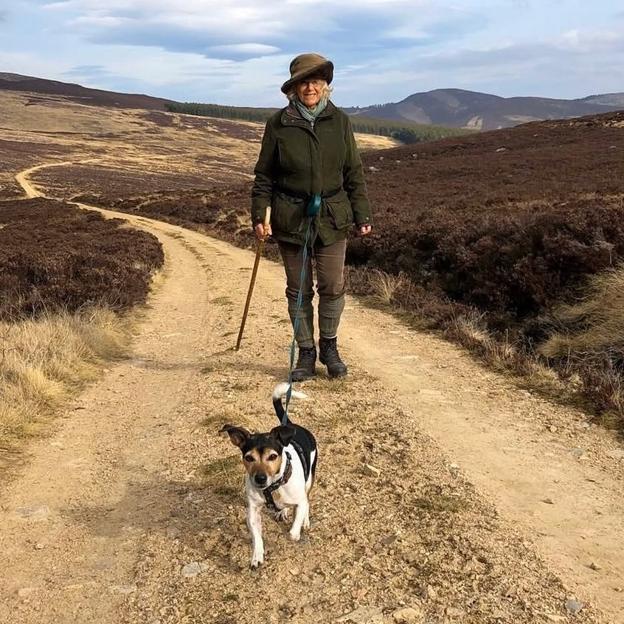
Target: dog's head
{"points": [[262, 452]]}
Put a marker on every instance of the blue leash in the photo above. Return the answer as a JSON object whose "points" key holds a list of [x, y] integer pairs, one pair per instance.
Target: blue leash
{"points": [[312, 209]]}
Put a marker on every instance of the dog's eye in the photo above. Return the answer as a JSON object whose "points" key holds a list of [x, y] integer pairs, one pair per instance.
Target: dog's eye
{"points": [[248, 458], [272, 457]]}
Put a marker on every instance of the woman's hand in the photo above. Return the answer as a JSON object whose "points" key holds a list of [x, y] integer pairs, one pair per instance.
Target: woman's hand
{"points": [[365, 229], [261, 233]]}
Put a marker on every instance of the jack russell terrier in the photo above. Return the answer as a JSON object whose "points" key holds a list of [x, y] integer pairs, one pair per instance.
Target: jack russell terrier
{"points": [[280, 469]]}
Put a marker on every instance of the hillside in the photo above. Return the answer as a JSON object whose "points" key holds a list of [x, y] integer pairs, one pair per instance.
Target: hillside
{"points": [[444, 108], [78, 93], [134, 146], [481, 111], [43, 90]]}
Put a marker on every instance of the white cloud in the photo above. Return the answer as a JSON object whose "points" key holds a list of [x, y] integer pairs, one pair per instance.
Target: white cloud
{"points": [[251, 49]]}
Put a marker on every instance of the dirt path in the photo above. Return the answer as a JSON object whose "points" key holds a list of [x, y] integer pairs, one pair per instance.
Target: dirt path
{"points": [[135, 484]]}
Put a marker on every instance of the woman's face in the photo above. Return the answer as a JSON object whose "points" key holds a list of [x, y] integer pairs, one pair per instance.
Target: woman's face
{"points": [[309, 91]]}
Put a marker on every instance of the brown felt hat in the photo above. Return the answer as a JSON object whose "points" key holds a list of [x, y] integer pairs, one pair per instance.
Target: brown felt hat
{"points": [[306, 65]]}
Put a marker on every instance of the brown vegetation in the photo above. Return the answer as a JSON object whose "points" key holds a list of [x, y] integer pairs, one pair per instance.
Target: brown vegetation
{"points": [[54, 256]]}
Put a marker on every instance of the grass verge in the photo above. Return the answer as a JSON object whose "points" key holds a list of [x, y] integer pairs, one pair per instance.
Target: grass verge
{"points": [[45, 360]]}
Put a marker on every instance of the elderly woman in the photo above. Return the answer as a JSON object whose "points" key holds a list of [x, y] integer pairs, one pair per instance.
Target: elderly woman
{"points": [[309, 168]]}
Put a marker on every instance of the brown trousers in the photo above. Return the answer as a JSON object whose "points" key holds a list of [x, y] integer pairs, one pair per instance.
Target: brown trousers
{"points": [[329, 262]]}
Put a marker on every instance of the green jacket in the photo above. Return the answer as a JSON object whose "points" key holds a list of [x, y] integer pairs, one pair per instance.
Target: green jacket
{"points": [[296, 161]]}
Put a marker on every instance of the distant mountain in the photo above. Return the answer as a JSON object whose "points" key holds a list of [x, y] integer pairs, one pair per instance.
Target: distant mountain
{"points": [[481, 111], [78, 93]]}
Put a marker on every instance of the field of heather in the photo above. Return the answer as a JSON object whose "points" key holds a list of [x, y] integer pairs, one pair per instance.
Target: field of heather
{"points": [[54, 256]]}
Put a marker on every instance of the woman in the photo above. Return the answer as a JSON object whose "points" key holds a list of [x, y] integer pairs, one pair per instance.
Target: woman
{"points": [[309, 157]]}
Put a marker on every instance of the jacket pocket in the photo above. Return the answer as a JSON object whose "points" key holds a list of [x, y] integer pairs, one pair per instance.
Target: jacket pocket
{"points": [[340, 211], [287, 213]]}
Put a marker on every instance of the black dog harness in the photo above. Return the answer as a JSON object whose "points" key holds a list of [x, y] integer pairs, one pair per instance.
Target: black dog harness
{"points": [[268, 491], [283, 480]]}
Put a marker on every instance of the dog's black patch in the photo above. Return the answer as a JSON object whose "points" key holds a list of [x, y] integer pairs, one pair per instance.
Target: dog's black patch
{"points": [[261, 441]]}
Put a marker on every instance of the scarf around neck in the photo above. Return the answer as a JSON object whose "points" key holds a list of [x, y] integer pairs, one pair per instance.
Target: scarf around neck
{"points": [[310, 114]]}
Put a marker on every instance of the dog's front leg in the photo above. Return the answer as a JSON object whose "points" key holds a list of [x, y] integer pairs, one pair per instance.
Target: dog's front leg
{"points": [[254, 522], [303, 509]]}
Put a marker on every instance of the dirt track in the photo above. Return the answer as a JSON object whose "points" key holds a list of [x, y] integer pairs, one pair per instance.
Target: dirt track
{"points": [[497, 517]]}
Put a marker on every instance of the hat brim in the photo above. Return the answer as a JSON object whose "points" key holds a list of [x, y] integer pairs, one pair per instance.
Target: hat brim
{"points": [[325, 69]]}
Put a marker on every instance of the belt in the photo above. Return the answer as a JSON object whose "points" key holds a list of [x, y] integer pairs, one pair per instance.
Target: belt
{"points": [[306, 196]]}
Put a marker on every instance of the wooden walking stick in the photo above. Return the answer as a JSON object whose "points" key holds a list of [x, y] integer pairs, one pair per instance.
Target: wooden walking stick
{"points": [[267, 221]]}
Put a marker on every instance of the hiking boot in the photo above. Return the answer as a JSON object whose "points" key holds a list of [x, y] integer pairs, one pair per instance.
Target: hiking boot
{"points": [[306, 364], [331, 358]]}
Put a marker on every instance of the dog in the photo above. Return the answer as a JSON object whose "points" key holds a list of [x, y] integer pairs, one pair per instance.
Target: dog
{"points": [[281, 466]]}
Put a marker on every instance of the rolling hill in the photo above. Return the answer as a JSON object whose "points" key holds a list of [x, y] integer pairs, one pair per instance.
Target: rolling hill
{"points": [[78, 93], [453, 108], [482, 111]]}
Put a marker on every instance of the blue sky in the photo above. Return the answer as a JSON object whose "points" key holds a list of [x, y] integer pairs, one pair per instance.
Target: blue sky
{"points": [[238, 52]]}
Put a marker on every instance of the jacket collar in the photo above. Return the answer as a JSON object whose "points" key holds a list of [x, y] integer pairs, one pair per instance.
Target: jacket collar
{"points": [[291, 117]]}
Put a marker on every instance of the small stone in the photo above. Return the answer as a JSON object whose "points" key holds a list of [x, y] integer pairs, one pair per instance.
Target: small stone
{"points": [[408, 615], [453, 612], [548, 501], [552, 429], [594, 566], [363, 615], [371, 471], [574, 606], [37, 512], [192, 569], [294, 571], [124, 589], [373, 169], [39, 546], [501, 149], [431, 593]]}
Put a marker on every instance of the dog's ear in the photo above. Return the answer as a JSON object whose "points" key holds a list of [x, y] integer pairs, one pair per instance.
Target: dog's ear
{"points": [[238, 435], [283, 434]]}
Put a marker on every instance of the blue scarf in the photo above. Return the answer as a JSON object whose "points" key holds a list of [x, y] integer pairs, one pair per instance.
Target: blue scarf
{"points": [[310, 114]]}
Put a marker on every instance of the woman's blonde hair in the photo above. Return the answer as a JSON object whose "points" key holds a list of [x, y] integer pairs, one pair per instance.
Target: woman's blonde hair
{"points": [[326, 91]]}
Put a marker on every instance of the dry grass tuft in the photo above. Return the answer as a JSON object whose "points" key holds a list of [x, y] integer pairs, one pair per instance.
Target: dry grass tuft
{"points": [[385, 286], [590, 343], [598, 319], [44, 360], [470, 330]]}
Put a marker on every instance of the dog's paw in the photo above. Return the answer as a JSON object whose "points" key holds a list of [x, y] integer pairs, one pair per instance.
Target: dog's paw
{"points": [[295, 536], [256, 561]]}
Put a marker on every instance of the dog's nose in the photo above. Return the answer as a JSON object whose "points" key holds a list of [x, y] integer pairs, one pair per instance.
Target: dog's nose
{"points": [[260, 478]]}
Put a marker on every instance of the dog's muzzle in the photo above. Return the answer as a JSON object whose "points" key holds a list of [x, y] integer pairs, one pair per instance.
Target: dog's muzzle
{"points": [[260, 479]]}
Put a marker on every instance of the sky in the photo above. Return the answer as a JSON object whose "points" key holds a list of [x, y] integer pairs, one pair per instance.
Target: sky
{"points": [[238, 52]]}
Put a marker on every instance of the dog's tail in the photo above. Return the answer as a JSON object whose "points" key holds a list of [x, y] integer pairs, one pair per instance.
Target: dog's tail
{"points": [[279, 393]]}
